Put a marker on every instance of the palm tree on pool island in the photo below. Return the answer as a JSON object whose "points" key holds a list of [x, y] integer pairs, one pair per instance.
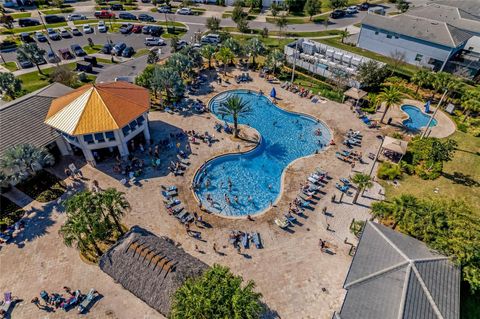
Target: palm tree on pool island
{"points": [[363, 182], [390, 96], [235, 107]]}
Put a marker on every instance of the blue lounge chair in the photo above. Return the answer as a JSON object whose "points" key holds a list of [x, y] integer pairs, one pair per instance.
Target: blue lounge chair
{"points": [[256, 240], [245, 240], [172, 203], [345, 181], [87, 300], [290, 218]]}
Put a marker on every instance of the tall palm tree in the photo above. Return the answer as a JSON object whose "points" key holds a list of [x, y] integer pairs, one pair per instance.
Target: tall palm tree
{"points": [[167, 80], [224, 55], [32, 53], [235, 107], [181, 63], [208, 52], [363, 182], [275, 59], [255, 48], [24, 160], [421, 78], [114, 205], [471, 102], [390, 96], [234, 46], [281, 23], [400, 206], [344, 34]]}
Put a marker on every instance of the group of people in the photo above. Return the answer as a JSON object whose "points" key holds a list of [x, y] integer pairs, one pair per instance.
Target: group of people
{"points": [[205, 137], [73, 172], [55, 300]]}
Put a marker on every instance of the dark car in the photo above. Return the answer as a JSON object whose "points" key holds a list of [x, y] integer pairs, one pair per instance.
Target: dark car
{"points": [[28, 22], [116, 7], [156, 31], [146, 29], [25, 37], [126, 28], [54, 19], [146, 1], [127, 16], [364, 6], [337, 14], [107, 48], [25, 64], [137, 28], [77, 49], [128, 52], [146, 17], [118, 48]]}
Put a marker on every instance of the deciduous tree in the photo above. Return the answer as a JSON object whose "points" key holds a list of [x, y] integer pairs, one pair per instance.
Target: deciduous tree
{"points": [[312, 7]]}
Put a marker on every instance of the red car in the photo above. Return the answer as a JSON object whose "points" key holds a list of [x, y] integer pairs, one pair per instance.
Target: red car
{"points": [[137, 28], [104, 14]]}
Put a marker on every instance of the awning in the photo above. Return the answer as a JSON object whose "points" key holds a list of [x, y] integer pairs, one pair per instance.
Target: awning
{"points": [[355, 93], [395, 145]]}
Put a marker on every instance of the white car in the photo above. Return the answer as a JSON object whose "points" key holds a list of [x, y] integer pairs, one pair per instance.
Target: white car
{"points": [[75, 16], [102, 28], [184, 11], [351, 10], [87, 28], [154, 41], [211, 38]]}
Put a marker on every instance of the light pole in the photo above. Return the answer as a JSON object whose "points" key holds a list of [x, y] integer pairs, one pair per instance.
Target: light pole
{"points": [[48, 41], [376, 157], [294, 60], [424, 133]]}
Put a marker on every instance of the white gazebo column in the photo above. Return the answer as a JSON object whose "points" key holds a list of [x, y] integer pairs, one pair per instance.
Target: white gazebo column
{"points": [[121, 144], [146, 133], [89, 156]]}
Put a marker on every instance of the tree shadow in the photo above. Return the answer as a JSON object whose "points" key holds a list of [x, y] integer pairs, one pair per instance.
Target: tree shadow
{"points": [[463, 179], [269, 313]]}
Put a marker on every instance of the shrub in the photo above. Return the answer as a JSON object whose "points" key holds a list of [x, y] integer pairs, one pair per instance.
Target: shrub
{"points": [[462, 127], [397, 135], [389, 171], [407, 168], [429, 171]]}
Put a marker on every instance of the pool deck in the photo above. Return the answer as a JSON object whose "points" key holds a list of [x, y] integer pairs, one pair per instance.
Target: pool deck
{"points": [[296, 279]]}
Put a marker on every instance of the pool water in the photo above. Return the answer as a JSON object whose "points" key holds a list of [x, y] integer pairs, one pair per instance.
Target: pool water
{"points": [[255, 176], [417, 119]]}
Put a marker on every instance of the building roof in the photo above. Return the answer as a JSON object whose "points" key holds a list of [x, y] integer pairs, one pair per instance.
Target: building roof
{"points": [[394, 276], [21, 120], [395, 145], [150, 267], [420, 28], [98, 108], [470, 6], [355, 93], [456, 17]]}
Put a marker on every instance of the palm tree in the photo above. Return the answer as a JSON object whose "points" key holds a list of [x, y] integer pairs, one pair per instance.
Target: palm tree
{"points": [[31, 52], [224, 55], [10, 86], [114, 205], [363, 182], [24, 160], [181, 63], [167, 80], [400, 206], [235, 107], [344, 34], [390, 96], [208, 52], [275, 59], [234, 46], [255, 48], [421, 78], [281, 23], [471, 102]]}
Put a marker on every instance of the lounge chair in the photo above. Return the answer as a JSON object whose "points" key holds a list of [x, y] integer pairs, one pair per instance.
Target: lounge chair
{"points": [[7, 303], [313, 180], [245, 240], [256, 240], [342, 188], [291, 219], [172, 203], [282, 223], [175, 211], [87, 300], [170, 188], [187, 218], [72, 301], [345, 181], [181, 215]]}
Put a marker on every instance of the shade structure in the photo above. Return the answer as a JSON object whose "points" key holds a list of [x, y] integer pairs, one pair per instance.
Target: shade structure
{"points": [[98, 108], [355, 93], [395, 145], [273, 93]]}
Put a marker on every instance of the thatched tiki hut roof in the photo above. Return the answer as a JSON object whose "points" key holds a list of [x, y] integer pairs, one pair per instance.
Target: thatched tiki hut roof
{"points": [[150, 267]]}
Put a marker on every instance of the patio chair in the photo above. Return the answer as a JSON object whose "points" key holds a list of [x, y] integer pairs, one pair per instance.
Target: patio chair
{"points": [[7, 303], [87, 301], [256, 240], [245, 240]]}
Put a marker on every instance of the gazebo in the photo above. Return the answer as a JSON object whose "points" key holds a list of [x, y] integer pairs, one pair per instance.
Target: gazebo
{"points": [[393, 148], [101, 117], [355, 94]]}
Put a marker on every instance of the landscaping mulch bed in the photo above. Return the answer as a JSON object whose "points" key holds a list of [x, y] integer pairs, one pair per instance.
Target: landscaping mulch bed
{"points": [[43, 187], [10, 213]]}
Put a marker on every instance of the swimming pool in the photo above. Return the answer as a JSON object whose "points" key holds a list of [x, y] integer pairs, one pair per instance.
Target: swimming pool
{"points": [[256, 176], [416, 118]]}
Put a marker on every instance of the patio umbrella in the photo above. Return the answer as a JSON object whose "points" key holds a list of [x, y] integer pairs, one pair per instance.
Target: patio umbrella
{"points": [[273, 93], [427, 107]]}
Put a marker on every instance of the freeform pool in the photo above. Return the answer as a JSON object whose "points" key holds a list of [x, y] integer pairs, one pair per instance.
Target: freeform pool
{"points": [[416, 118], [255, 176]]}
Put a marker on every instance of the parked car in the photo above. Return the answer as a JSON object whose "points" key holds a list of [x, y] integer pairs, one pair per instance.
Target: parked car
{"points": [[364, 6], [156, 31], [75, 16], [377, 10], [146, 29], [76, 32], [128, 52], [53, 35], [24, 64], [351, 10], [137, 28], [65, 54], [118, 48], [27, 22], [126, 28], [336, 14], [164, 9], [64, 33], [52, 57], [107, 48], [184, 11], [104, 14], [77, 49], [40, 37], [116, 7], [102, 28], [127, 16], [154, 41], [26, 37], [52, 18], [181, 44], [146, 1], [146, 17], [87, 29], [210, 38]]}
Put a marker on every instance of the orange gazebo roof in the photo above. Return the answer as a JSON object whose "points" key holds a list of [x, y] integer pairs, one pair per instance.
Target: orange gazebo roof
{"points": [[98, 107]]}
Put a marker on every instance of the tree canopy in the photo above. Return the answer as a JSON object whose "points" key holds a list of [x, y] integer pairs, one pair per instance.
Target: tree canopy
{"points": [[10, 86], [218, 294], [372, 74], [312, 7], [335, 4]]}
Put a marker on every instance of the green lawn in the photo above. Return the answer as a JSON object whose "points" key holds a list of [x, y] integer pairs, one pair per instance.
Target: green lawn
{"points": [[406, 69], [88, 21], [301, 20], [20, 15], [11, 66], [141, 52], [94, 49], [269, 42], [306, 34], [172, 23], [57, 11], [178, 33], [229, 15]]}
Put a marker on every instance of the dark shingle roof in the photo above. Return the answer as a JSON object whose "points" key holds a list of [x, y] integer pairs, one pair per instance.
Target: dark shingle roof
{"points": [[394, 276], [21, 120], [150, 267]]}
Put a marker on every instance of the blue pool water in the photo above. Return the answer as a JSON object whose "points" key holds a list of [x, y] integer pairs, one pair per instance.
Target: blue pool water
{"points": [[417, 119], [285, 137]]}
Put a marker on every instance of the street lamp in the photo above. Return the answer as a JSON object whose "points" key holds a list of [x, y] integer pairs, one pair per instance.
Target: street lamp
{"points": [[294, 60], [48, 41], [424, 133]]}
